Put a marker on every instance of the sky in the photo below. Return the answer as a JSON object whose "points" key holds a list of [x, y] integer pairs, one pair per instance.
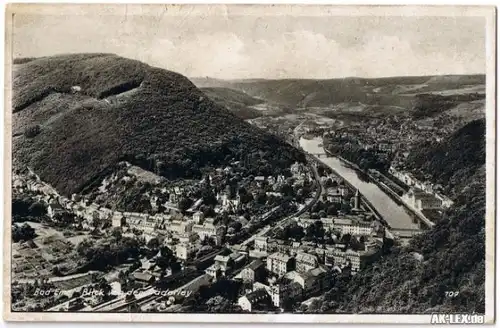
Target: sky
{"points": [[271, 46]]}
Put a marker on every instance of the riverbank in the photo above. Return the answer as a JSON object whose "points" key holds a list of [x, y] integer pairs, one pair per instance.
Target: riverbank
{"points": [[386, 189], [395, 215]]}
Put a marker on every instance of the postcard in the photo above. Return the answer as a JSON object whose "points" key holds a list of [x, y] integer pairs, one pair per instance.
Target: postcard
{"points": [[250, 163]]}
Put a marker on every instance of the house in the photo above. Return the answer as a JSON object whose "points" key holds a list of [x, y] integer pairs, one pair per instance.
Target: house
{"points": [[117, 220], [258, 299], [334, 195], [197, 217], [53, 209], [279, 263], [185, 250], [143, 277], [305, 262], [285, 292], [253, 272], [260, 244], [214, 271], [317, 280], [422, 200], [224, 263], [357, 259]]}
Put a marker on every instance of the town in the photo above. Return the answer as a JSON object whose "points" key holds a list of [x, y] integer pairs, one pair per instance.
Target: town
{"points": [[278, 241]]}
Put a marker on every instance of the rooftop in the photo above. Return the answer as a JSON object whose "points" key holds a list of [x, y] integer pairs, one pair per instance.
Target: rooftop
{"points": [[280, 256]]}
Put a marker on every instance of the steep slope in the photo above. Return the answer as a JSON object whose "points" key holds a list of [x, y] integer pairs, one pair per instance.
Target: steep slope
{"points": [[450, 257], [237, 102], [453, 161], [76, 116]]}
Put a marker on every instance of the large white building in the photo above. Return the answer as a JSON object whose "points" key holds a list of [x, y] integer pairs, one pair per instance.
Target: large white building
{"points": [[422, 200], [352, 226]]}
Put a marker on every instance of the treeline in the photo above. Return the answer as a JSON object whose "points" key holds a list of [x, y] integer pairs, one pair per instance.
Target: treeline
{"points": [[428, 105], [365, 159]]}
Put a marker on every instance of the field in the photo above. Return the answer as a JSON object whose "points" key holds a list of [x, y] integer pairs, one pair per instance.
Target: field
{"points": [[36, 259]]}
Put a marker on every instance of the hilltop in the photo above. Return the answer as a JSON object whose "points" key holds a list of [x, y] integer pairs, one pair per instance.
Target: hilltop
{"points": [[391, 95], [76, 116]]}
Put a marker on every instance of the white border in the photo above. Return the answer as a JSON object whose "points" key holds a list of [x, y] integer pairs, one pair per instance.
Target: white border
{"points": [[289, 318]]}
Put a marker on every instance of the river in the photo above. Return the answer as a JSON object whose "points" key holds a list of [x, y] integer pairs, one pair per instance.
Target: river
{"points": [[395, 215]]}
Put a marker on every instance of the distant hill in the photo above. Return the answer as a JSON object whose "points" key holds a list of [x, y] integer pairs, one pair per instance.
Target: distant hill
{"points": [[449, 257], [391, 91], [76, 116], [237, 102]]}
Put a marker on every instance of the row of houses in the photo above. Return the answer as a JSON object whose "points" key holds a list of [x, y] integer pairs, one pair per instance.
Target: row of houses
{"points": [[422, 195], [303, 257], [281, 292], [345, 224]]}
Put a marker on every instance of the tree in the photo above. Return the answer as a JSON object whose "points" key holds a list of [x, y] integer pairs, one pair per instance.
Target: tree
{"points": [[310, 232], [332, 210], [96, 221], [22, 233], [261, 197], [37, 209], [236, 225], [153, 243], [346, 239], [166, 258], [83, 247], [116, 233], [184, 204]]}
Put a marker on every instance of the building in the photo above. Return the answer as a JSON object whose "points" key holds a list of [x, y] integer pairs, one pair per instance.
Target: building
{"points": [[318, 280], [197, 217], [305, 262], [279, 263], [143, 277], [352, 226], [209, 230], [334, 195], [258, 299], [186, 249], [253, 272], [357, 201], [224, 263], [53, 209], [285, 292], [214, 271], [180, 226], [260, 244], [421, 200], [445, 201], [117, 220], [357, 259]]}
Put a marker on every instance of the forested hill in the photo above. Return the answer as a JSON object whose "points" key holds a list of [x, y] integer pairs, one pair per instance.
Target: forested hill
{"points": [[453, 161], [75, 116], [450, 257]]}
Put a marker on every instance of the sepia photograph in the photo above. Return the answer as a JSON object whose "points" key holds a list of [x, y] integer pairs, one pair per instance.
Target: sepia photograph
{"points": [[249, 163]]}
